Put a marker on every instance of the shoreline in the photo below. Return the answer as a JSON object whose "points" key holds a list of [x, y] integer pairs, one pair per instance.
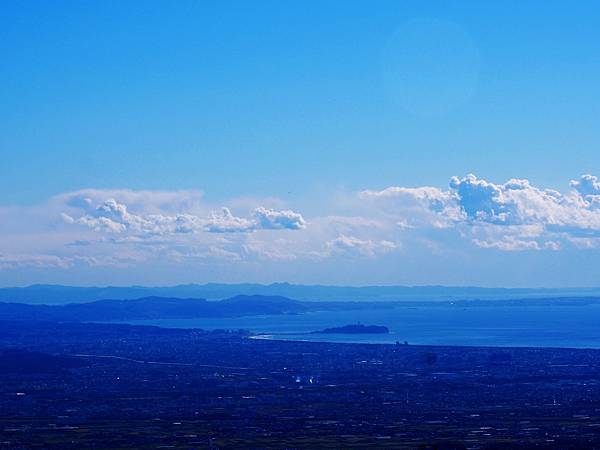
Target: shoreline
{"points": [[276, 337]]}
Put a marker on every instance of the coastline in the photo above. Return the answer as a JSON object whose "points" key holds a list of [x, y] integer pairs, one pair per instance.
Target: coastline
{"points": [[279, 338]]}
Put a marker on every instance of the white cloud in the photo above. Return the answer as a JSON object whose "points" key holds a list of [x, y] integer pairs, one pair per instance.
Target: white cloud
{"points": [[353, 245], [122, 228], [60, 261], [515, 202], [514, 244], [278, 250], [415, 207], [225, 222], [512, 216], [269, 219], [501, 212], [263, 219], [44, 261], [148, 202], [114, 217], [587, 185]]}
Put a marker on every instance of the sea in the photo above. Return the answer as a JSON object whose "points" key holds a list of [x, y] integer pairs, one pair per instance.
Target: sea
{"points": [[498, 326]]}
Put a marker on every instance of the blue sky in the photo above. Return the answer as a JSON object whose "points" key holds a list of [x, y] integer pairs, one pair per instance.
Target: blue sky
{"points": [[298, 108]]}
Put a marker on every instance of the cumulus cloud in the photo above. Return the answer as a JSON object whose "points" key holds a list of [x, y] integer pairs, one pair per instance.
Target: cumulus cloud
{"points": [[588, 188], [225, 222], [587, 185], [431, 197], [479, 199], [517, 202], [415, 207], [514, 215], [269, 219], [262, 219], [114, 217]]}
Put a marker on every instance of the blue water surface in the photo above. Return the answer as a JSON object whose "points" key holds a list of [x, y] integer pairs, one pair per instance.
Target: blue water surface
{"points": [[506, 326]]}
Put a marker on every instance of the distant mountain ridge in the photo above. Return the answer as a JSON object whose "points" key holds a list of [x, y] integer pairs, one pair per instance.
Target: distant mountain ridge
{"points": [[147, 308], [151, 308], [57, 294]]}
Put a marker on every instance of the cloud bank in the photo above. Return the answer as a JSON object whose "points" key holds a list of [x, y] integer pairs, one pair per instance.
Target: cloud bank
{"points": [[513, 216], [123, 228]]}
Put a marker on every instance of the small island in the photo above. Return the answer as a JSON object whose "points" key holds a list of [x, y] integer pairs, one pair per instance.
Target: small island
{"points": [[355, 329]]}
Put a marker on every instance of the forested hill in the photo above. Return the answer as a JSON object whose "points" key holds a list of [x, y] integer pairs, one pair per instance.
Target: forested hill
{"points": [[151, 308]]}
